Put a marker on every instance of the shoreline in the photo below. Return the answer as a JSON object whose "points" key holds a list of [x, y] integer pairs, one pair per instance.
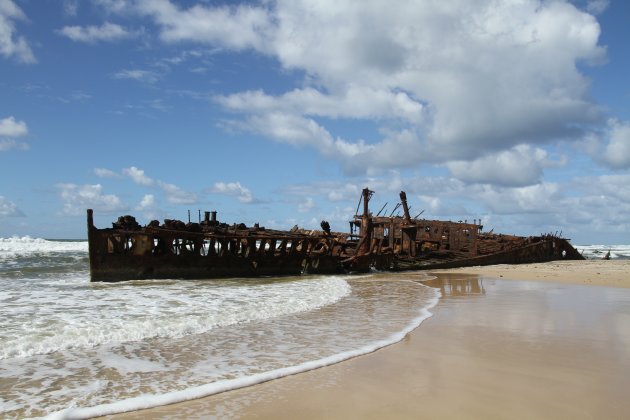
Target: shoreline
{"points": [[494, 348]]}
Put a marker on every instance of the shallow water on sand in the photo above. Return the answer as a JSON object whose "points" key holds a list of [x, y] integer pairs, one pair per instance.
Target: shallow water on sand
{"points": [[68, 343], [493, 349]]}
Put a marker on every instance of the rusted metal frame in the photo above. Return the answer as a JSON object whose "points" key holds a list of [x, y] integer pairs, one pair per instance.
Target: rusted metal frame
{"points": [[272, 247], [403, 200]]}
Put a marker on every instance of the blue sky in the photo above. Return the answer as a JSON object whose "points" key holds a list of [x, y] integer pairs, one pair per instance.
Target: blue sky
{"points": [[279, 112]]}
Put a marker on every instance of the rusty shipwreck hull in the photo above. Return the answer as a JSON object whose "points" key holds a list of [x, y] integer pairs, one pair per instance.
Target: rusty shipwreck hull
{"points": [[543, 250], [405, 243], [210, 249], [206, 250]]}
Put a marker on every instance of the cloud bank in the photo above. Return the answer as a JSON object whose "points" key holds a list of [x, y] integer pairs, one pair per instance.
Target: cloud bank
{"points": [[447, 82]]}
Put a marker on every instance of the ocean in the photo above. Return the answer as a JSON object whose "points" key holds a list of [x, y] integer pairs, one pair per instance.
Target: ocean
{"points": [[596, 252], [74, 349]]}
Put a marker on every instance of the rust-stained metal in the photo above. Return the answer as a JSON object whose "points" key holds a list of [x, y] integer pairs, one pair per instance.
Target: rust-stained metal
{"points": [[403, 243], [211, 249], [205, 250]]}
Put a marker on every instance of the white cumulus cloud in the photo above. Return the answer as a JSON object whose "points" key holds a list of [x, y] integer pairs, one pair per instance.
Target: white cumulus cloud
{"points": [[173, 193], [480, 87], [617, 152], [176, 195], [520, 166], [11, 44], [449, 81], [78, 198], [105, 173], [539, 198], [239, 27], [148, 206], [610, 145], [353, 102], [9, 208], [235, 189], [10, 129], [138, 176], [147, 202], [92, 34]]}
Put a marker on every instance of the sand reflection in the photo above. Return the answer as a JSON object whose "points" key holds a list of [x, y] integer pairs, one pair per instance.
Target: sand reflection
{"points": [[454, 286], [493, 349]]}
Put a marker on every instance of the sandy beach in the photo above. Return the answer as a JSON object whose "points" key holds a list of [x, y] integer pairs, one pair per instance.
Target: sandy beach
{"points": [[532, 341], [614, 273]]}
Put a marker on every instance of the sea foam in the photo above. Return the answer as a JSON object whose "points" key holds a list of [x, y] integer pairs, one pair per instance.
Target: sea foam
{"points": [[118, 376], [599, 251], [46, 320], [149, 401], [26, 245]]}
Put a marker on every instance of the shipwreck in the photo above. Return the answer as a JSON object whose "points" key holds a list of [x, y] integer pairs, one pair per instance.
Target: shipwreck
{"points": [[213, 249]]}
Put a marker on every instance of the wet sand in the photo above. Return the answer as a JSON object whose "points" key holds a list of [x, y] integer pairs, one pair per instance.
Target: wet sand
{"points": [[493, 349], [615, 273]]}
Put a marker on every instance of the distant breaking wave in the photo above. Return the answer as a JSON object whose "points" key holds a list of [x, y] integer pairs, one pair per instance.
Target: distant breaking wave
{"points": [[25, 246], [596, 252]]}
